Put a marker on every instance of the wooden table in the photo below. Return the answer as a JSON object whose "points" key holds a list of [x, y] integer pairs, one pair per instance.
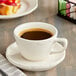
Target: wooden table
{"points": [[46, 12]]}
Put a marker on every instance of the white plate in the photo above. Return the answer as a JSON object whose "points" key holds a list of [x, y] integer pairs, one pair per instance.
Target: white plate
{"points": [[27, 7], [14, 57]]}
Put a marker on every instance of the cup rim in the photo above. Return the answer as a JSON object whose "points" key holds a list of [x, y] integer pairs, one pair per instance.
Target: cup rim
{"points": [[36, 40]]}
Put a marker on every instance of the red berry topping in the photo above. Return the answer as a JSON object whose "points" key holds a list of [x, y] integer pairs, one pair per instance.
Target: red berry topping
{"points": [[8, 2], [3, 1]]}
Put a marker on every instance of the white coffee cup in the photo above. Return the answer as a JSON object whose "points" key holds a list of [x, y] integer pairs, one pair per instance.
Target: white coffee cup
{"points": [[38, 49]]}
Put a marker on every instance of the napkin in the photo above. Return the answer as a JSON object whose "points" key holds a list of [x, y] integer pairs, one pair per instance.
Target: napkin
{"points": [[7, 69]]}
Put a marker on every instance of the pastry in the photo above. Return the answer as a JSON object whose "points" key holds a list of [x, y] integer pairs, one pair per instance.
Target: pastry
{"points": [[9, 7]]}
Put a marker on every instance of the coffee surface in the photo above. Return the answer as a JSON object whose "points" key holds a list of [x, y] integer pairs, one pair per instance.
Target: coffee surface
{"points": [[35, 34]]}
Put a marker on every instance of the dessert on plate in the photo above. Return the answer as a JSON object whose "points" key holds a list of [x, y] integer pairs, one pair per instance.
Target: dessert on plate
{"points": [[9, 7]]}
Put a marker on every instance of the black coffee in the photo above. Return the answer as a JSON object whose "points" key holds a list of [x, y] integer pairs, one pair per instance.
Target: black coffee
{"points": [[35, 34]]}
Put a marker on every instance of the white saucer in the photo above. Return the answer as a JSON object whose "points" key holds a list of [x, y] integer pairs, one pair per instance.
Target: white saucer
{"points": [[27, 6], [14, 57]]}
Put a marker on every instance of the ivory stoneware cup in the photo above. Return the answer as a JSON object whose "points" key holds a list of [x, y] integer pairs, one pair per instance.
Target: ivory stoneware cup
{"points": [[38, 49]]}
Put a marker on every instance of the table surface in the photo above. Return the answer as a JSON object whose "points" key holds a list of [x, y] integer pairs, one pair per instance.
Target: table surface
{"points": [[46, 12]]}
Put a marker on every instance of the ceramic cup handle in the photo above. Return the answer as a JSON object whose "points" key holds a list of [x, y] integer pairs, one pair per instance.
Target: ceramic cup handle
{"points": [[60, 44]]}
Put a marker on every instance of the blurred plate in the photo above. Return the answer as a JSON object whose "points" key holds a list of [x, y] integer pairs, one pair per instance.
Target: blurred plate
{"points": [[27, 7]]}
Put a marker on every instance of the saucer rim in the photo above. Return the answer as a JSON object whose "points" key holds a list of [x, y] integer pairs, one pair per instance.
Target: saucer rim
{"points": [[34, 69], [22, 14]]}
